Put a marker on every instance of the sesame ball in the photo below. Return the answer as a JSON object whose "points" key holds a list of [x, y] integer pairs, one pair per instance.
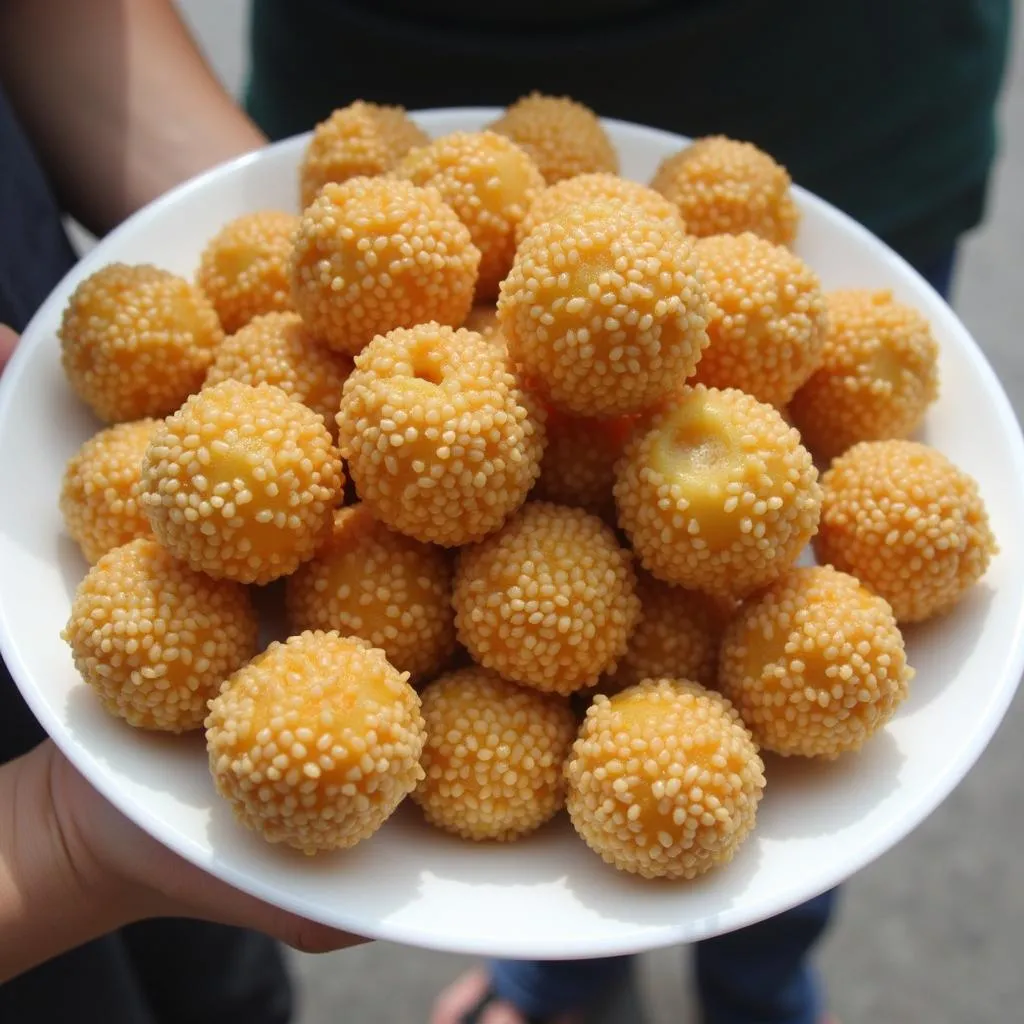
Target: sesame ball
{"points": [[136, 341], [767, 319], [725, 187], [494, 755], [490, 183], [664, 780], [905, 521], [99, 495], [391, 590], [439, 439], [717, 494], [604, 310], [241, 481], [877, 375], [360, 140], [244, 268], [815, 664], [154, 639], [563, 137], [549, 601], [316, 742]]}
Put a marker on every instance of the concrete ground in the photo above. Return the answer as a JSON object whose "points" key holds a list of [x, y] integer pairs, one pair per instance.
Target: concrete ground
{"points": [[932, 932]]}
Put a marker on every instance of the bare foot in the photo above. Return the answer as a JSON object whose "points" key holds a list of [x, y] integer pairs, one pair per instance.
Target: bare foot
{"points": [[464, 993]]}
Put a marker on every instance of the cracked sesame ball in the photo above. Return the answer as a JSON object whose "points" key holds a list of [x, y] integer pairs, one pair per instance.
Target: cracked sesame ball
{"points": [[490, 183], [877, 376], [664, 780], [241, 482], [136, 341], [99, 496], [908, 523], [718, 494], [391, 590], [767, 319], [316, 742], [604, 310], [374, 254], [815, 664], [549, 601], [154, 639], [725, 187], [494, 756], [440, 441]]}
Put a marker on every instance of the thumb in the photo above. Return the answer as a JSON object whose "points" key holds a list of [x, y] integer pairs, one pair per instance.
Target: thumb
{"points": [[8, 339]]}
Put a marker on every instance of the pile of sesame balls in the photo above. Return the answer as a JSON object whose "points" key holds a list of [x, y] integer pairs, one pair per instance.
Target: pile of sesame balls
{"points": [[532, 452]]}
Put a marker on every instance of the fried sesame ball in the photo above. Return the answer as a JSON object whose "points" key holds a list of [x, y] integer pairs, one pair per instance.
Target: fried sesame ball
{"points": [[877, 375], [664, 780], [604, 310], [717, 494], [490, 183], [722, 186], [439, 438], [549, 601], [136, 341], [909, 524], [241, 482], [767, 319], [154, 639], [371, 582], [360, 140], [494, 755], [563, 137], [815, 664], [244, 268], [316, 742]]}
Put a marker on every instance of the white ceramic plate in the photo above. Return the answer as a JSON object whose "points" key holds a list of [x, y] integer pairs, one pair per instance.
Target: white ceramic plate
{"points": [[547, 896]]}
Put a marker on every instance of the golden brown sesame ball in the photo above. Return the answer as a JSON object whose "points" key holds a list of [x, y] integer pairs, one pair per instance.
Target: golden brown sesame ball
{"points": [[815, 664], [549, 601], [490, 183], [563, 137], [316, 742], [244, 268], [494, 755], [374, 254], [718, 494], [136, 341], [725, 187], [877, 375], [767, 320], [99, 497], [439, 439], [371, 582], [154, 639], [360, 140], [905, 521], [241, 481], [604, 310], [664, 780]]}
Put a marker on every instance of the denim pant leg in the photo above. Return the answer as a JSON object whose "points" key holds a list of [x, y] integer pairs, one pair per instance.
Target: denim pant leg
{"points": [[545, 988]]}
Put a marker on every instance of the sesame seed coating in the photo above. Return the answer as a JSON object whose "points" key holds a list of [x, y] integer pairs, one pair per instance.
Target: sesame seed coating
{"points": [[718, 494], [815, 664], [136, 341], [373, 254], [549, 601], [604, 309], [316, 742], [241, 482], [664, 780], [909, 524], [767, 319], [442, 444], [877, 376], [494, 755], [154, 639]]}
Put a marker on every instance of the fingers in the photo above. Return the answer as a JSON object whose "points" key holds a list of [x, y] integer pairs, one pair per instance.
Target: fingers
{"points": [[8, 339]]}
